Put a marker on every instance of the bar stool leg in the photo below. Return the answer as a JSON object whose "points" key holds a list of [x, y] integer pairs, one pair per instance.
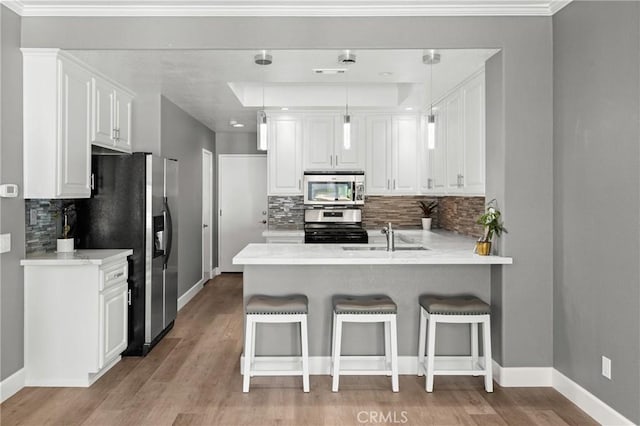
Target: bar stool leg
{"points": [[387, 346], [474, 344], [488, 360], [337, 343], [431, 353], [422, 341], [304, 343], [394, 354], [333, 343], [248, 352]]}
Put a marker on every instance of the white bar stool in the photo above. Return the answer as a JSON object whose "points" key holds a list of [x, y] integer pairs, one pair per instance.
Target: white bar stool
{"points": [[365, 309], [275, 309], [462, 309]]}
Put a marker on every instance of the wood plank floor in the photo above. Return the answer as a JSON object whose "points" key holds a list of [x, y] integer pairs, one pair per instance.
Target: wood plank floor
{"points": [[192, 378]]}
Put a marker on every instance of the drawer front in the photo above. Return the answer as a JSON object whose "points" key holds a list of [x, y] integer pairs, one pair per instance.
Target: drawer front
{"points": [[111, 275]]}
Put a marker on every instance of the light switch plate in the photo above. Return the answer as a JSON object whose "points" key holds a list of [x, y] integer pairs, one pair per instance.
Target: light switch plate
{"points": [[606, 367], [5, 243]]}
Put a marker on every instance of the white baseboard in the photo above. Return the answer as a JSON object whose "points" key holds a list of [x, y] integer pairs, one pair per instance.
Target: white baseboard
{"points": [[214, 273], [190, 294], [587, 402], [511, 377], [12, 385]]}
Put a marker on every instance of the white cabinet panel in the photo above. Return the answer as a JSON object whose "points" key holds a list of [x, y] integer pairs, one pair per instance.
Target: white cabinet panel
{"points": [[437, 158], [319, 135], [352, 158], [103, 125], [74, 148], [405, 155], [378, 170], [455, 142], [123, 109], [473, 173], [113, 323], [285, 156]]}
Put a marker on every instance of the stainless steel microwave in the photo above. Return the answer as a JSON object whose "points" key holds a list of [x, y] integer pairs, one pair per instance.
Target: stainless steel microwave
{"points": [[334, 188]]}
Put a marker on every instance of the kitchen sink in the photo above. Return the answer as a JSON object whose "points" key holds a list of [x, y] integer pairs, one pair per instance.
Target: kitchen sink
{"points": [[378, 248]]}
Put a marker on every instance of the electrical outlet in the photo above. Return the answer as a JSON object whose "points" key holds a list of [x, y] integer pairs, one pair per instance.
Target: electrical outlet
{"points": [[5, 243], [606, 367], [33, 217]]}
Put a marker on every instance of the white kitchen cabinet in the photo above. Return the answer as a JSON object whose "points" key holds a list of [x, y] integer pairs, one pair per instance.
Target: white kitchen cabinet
{"points": [[111, 116], [457, 164], [284, 155], [57, 152], [392, 154], [76, 316], [67, 107], [323, 146]]}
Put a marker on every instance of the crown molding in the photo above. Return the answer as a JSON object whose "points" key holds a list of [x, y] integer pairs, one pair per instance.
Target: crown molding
{"points": [[345, 8]]}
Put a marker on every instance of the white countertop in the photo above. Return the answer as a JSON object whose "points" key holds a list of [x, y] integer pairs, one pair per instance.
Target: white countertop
{"points": [[444, 248], [283, 233], [78, 257]]}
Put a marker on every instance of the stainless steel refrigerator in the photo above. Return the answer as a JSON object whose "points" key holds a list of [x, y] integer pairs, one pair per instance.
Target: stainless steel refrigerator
{"points": [[134, 205]]}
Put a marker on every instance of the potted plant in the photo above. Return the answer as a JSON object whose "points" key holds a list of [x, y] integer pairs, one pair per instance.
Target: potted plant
{"points": [[427, 211], [66, 243], [492, 225]]}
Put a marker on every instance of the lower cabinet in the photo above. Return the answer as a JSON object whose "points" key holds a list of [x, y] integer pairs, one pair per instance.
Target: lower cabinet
{"points": [[76, 320]]}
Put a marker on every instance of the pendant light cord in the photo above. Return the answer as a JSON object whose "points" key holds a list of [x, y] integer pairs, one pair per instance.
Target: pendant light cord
{"points": [[347, 96], [431, 86]]}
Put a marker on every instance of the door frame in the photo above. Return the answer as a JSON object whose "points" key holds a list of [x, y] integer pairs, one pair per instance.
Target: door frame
{"points": [[206, 153], [219, 190]]}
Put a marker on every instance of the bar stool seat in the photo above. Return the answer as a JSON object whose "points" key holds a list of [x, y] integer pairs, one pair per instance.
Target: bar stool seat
{"points": [[369, 308], [275, 309], [458, 309]]}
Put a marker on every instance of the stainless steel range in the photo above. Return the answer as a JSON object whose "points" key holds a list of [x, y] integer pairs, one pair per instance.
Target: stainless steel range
{"points": [[334, 226]]}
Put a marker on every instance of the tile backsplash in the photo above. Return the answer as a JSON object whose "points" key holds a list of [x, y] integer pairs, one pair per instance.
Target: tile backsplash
{"points": [[457, 214], [42, 234]]}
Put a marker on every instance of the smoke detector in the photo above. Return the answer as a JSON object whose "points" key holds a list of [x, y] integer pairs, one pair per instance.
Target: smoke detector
{"points": [[347, 58], [263, 58], [431, 58]]}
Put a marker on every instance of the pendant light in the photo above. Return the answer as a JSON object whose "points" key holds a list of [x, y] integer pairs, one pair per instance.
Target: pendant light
{"points": [[431, 59], [262, 59], [347, 58]]}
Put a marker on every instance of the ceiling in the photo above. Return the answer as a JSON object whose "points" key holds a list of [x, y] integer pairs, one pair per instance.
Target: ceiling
{"points": [[286, 7], [218, 86]]}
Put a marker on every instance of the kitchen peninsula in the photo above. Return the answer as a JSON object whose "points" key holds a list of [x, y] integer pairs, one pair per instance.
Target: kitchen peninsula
{"points": [[446, 266]]}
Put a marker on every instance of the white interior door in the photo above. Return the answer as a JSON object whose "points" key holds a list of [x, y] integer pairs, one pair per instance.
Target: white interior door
{"points": [[207, 211], [242, 205]]}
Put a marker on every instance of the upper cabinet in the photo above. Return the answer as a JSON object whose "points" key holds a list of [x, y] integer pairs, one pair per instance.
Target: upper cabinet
{"points": [[111, 116], [392, 143], [67, 108], [324, 147], [284, 155], [456, 165]]}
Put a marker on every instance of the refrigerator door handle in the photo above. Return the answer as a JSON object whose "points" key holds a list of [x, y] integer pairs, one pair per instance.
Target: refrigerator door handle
{"points": [[169, 232]]}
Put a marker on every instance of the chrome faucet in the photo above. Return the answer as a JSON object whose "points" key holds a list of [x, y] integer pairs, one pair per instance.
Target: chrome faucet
{"points": [[391, 238]]}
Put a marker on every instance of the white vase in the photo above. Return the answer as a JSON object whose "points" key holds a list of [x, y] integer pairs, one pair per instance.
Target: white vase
{"points": [[426, 223], [64, 245]]}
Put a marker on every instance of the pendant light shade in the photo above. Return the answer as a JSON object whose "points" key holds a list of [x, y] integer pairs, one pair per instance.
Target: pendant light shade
{"points": [[262, 131], [346, 132], [262, 59], [431, 58]]}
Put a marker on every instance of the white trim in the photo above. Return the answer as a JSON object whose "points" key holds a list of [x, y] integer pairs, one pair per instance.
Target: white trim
{"points": [[214, 273], [587, 402], [12, 385], [209, 219], [191, 293], [289, 8], [510, 377]]}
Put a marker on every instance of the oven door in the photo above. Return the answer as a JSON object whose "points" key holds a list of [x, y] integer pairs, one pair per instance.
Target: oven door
{"points": [[329, 190]]}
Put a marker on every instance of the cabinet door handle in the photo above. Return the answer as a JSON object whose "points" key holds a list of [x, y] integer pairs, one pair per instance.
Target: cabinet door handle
{"points": [[114, 134], [388, 183], [429, 183], [299, 183], [394, 184], [129, 297], [331, 160], [336, 161], [461, 181]]}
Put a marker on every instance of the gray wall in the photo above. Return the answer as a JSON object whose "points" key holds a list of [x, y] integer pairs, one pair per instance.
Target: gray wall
{"points": [[11, 209], [596, 205], [183, 138], [236, 143], [146, 123]]}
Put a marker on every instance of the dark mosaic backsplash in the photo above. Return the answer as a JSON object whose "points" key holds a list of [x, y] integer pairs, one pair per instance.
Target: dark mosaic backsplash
{"points": [[41, 236], [459, 214], [402, 212], [286, 212]]}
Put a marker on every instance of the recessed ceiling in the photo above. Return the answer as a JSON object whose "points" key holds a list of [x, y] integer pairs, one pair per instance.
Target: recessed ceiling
{"points": [[219, 86], [286, 8]]}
